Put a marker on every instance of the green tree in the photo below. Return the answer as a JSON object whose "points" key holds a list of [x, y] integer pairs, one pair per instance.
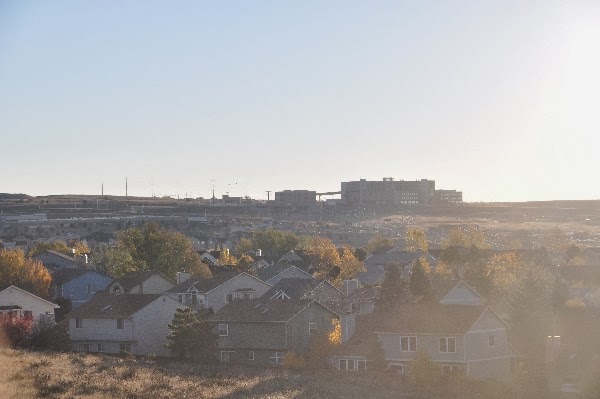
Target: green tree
{"points": [[155, 248], [243, 246], [28, 274], [275, 243], [378, 242], [419, 282], [377, 360], [191, 337], [415, 240], [423, 374], [394, 289]]}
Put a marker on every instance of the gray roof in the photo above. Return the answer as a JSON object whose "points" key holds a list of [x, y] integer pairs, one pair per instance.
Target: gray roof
{"points": [[110, 305], [262, 310], [204, 284], [295, 288]]}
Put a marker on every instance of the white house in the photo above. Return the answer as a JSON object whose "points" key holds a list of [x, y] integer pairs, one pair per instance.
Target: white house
{"points": [[18, 302], [134, 323]]}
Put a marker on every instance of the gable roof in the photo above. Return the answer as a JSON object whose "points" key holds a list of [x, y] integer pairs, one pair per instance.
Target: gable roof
{"points": [[60, 254], [204, 284], [427, 319], [28, 293], [295, 288], [130, 280], [61, 276], [263, 310], [284, 269], [109, 305], [444, 299]]}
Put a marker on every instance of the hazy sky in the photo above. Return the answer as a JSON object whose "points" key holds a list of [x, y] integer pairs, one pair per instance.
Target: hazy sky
{"points": [[500, 99]]}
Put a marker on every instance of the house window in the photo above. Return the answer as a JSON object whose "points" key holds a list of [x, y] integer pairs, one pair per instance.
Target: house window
{"points": [[277, 358], [228, 298], [180, 298], [361, 365], [78, 323], [408, 344], [448, 344], [491, 340], [227, 356], [398, 368], [84, 348], [120, 324], [223, 330], [90, 289], [248, 295], [28, 314], [450, 369], [346, 364], [250, 355], [125, 347], [100, 347], [312, 328]]}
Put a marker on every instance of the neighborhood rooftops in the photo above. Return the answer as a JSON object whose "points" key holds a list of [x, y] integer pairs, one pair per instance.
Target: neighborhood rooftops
{"points": [[108, 305], [261, 310], [294, 288], [204, 284], [133, 279]]}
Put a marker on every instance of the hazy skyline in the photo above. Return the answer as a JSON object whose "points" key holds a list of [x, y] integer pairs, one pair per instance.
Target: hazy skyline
{"points": [[498, 99]]}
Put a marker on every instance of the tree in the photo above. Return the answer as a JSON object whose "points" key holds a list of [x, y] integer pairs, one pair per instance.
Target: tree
{"points": [[243, 246], [80, 248], [275, 243], [503, 270], [155, 248], [378, 242], [466, 237], [191, 337], [65, 306], [41, 247], [349, 265], [419, 283], [377, 362], [244, 263], [324, 256], [415, 241], [28, 274], [423, 374], [394, 289], [17, 330], [323, 345], [226, 259], [116, 262], [50, 336]]}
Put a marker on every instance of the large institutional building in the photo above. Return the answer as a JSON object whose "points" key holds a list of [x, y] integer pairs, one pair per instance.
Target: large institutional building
{"points": [[396, 192], [296, 197]]}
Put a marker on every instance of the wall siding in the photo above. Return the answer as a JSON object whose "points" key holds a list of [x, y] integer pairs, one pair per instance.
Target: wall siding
{"points": [[215, 298]]}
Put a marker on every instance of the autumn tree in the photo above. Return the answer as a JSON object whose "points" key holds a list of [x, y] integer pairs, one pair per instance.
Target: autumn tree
{"points": [[243, 246], [80, 248], [378, 242], [503, 271], [324, 256], [349, 265], [41, 247], [191, 337], [323, 345], [226, 259], [419, 282], [245, 263], [28, 274], [155, 248], [466, 237], [415, 240]]}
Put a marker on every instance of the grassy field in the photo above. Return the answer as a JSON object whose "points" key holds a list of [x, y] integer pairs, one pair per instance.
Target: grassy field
{"points": [[42, 375]]}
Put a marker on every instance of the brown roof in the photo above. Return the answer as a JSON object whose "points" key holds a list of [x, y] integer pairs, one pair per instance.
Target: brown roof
{"points": [[426, 319], [262, 310], [110, 305]]}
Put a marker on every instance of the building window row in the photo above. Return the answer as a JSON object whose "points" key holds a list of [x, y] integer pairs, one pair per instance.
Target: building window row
{"points": [[448, 344], [353, 365], [408, 344]]}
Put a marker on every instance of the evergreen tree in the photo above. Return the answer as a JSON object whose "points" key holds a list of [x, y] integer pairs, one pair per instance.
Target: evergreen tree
{"points": [[377, 360], [394, 289], [191, 337], [419, 283]]}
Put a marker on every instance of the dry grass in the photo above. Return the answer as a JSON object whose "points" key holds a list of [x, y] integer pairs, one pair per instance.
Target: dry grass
{"points": [[95, 376]]}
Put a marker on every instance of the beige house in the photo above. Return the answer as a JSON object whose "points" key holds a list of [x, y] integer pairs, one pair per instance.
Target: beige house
{"points": [[18, 302], [141, 282], [134, 323]]}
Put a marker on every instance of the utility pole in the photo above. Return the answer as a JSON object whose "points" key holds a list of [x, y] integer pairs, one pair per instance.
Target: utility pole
{"points": [[268, 195], [126, 186], [102, 188]]}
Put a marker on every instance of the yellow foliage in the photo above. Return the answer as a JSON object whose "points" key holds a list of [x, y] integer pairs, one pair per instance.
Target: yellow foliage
{"points": [[504, 269], [293, 361], [29, 274], [81, 248], [335, 335], [415, 240]]}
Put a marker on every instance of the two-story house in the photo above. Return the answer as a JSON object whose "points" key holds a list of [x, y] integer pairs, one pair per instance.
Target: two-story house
{"points": [[262, 331], [15, 301], [222, 288], [141, 282], [460, 332], [133, 323], [78, 285]]}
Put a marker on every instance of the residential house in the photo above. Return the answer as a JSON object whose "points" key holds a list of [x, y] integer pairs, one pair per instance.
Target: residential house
{"points": [[263, 331], [141, 282], [133, 323], [460, 332], [54, 260], [18, 302], [78, 285], [222, 288], [375, 266], [274, 273], [303, 288]]}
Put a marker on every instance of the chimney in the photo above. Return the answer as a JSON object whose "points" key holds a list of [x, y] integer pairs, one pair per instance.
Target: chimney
{"points": [[350, 286], [258, 252], [182, 276], [552, 348]]}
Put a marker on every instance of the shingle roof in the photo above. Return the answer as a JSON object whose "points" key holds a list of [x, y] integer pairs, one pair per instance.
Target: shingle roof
{"points": [[133, 279], [61, 276], [205, 285], [427, 319], [261, 310], [64, 256], [111, 306], [295, 288]]}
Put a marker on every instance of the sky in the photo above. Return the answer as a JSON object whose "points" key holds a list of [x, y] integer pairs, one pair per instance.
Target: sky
{"points": [[499, 99]]}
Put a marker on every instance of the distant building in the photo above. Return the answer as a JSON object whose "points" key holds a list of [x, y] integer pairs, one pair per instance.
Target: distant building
{"points": [[296, 197], [441, 197], [388, 192], [231, 200]]}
